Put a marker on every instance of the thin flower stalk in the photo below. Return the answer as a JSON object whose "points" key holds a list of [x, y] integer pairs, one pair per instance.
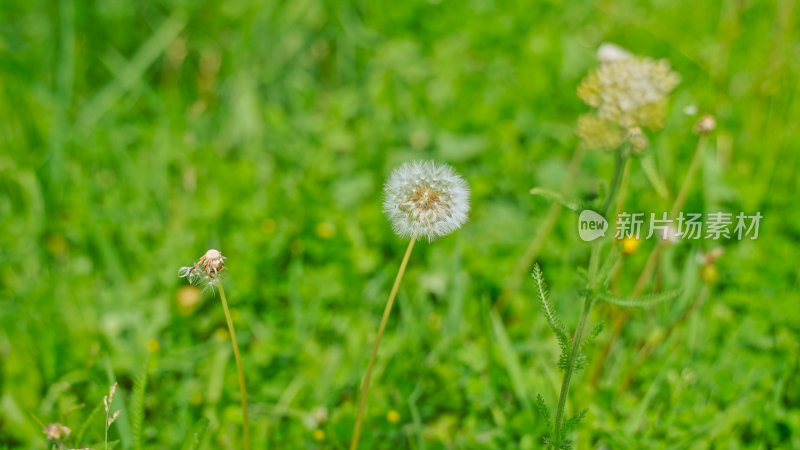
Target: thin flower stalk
{"points": [[589, 297], [387, 311], [642, 281], [207, 272]]}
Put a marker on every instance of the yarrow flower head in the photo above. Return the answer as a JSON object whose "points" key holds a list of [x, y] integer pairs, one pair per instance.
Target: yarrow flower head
{"points": [[423, 198], [629, 90], [206, 271]]}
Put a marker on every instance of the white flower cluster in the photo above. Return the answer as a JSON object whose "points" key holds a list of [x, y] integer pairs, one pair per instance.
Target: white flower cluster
{"points": [[423, 198], [629, 90]]}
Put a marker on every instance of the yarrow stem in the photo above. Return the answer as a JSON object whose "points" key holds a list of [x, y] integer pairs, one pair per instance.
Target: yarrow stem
{"points": [[576, 340], [618, 168], [237, 356], [591, 287], [386, 313]]}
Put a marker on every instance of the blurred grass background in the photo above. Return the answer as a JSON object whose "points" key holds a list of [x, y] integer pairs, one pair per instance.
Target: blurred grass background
{"points": [[136, 135]]}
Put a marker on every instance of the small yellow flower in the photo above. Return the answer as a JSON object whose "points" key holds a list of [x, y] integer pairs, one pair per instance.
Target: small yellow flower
{"points": [[709, 273], [153, 346], [630, 244], [325, 230], [318, 434], [393, 416]]}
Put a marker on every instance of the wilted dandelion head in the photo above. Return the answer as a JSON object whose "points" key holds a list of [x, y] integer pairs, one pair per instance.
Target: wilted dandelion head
{"points": [[631, 91], [705, 125], [206, 271], [423, 198]]}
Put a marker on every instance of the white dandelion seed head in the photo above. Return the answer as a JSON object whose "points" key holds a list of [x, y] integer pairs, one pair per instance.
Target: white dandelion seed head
{"points": [[423, 198]]}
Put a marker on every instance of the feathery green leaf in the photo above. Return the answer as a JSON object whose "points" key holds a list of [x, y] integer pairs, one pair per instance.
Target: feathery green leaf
{"points": [[550, 313], [137, 407]]}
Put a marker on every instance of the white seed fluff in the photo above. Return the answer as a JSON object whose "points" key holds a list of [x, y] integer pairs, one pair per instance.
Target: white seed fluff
{"points": [[423, 198]]}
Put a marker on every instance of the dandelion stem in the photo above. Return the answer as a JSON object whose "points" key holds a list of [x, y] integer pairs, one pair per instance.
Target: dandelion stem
{"points": [[386, 312], [591, 287], [238, 357]]}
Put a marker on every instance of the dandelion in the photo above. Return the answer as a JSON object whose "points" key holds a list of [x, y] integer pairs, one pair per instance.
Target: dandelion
{"points": [[422, 199], [426, 199], [630, 91], [207, 271], [705, 125]]}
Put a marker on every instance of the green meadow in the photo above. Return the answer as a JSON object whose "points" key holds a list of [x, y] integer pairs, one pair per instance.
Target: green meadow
{"points": [[135, 136]]}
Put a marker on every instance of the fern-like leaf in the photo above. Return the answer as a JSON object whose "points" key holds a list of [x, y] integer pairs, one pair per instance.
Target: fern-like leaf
{"points": [[550, 313], [591, 336], [604, 275], [137, 407], [552, 318], [572, 423], [545, 413], [645, 301]]}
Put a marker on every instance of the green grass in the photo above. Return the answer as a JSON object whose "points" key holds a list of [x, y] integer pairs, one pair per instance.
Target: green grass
{"points": [[136, 135]]}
